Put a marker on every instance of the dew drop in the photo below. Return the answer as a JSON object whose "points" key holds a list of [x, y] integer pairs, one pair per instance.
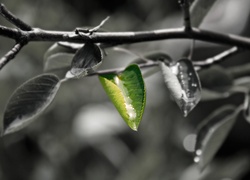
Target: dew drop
{"points": [[198, 152], [196, 159], [185, 113]]}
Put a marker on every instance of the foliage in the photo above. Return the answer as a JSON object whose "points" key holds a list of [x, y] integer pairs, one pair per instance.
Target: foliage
{"points": [[187, 82]]}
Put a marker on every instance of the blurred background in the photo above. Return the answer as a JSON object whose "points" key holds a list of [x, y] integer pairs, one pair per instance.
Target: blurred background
{"points": [[82, 136]]}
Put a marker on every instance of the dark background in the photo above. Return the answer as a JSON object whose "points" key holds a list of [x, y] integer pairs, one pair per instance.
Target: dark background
{"points": [[81, 136]]}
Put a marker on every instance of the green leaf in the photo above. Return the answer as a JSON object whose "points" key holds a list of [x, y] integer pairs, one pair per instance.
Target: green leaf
{"points": [[212, 132], [29, 101], [86, 60], [127, 92]]}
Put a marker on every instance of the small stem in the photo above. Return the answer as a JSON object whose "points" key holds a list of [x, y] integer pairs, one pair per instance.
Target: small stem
{"points": [[10, 55], [191, 52], [119, 70], [219, 57], [13, 19], [99, 26], [186, 14]]}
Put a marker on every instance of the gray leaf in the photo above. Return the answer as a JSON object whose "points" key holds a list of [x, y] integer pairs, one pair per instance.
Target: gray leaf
{"points": [[199, 10], [59, 56], [212, 132], [29, 101], [86, 60], [183, 83]]}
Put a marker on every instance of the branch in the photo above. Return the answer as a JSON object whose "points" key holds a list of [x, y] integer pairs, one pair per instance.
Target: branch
{"points": [[13, 19], [119, 70], [186, 14], [24, 34], [132, 37], [10, 55], [219, 57]]}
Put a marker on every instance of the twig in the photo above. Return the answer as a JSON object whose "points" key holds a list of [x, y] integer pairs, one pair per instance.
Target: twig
{"points": [[191, 51], [10, 55], [119, 70], [218, 58], [13, 19], [186, 14], [99, 26]]}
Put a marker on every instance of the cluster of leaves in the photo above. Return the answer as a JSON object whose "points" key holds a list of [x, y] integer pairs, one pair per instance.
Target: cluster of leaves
{"points": [[126, 89]]}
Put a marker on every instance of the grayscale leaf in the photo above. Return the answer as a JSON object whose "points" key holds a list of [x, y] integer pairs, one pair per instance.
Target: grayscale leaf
{"points": [[209, 79], [210, 95], [58, 61], [246, 107], [86, 60], [57, 48], [199, 10], [29, 101], [183, 83], [212, 132]]}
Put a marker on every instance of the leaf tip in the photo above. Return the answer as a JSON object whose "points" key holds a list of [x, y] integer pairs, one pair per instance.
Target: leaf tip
{"points": [[134, 126]]}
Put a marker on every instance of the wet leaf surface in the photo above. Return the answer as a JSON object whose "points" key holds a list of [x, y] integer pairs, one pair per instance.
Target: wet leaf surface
{"points": [[212, 132], [127, 92], [183, 84]]}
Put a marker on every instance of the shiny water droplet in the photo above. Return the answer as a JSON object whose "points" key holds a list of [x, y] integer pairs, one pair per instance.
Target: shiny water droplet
{"points": [[196, 159], [198, 152], [194, 85]]}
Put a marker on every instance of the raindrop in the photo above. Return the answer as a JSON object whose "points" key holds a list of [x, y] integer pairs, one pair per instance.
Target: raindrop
{"points": [[189, 142], [196, 159], [198, 152]]}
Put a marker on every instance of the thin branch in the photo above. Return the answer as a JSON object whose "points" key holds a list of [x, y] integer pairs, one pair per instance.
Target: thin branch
{"points": [[186, 14], [13, 19], [119, 70], [191, 51], [9, 32], [99, 26], [218, 58], [10, 55]]}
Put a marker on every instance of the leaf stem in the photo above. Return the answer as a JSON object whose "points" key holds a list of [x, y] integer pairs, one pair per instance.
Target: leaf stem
{"points": [[219, 57], [119, 70]]}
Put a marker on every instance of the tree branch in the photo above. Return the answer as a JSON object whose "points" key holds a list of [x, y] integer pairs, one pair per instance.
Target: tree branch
{"points": [[24, 34], [13, 19], [130, 37], [10, 55]]}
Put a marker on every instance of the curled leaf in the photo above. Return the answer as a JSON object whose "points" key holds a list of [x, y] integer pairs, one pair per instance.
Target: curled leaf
{"points": [[86, 60], [212, 132], [183, 84], [29, 101], [127, 92]]}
